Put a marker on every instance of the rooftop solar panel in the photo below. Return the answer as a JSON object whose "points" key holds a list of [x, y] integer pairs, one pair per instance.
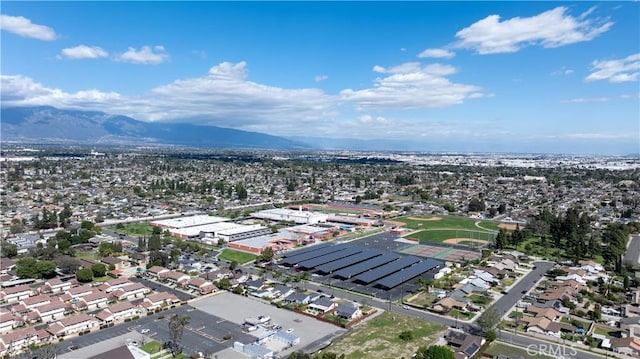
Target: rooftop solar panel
{"points": [[407, 274], [349, 261], [309, 255], [354, 270], [314, 262], [306, 249], [385, 270]]}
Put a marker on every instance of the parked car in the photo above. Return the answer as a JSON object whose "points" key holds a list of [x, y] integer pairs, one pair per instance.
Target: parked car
{"points": [[145, 331]]}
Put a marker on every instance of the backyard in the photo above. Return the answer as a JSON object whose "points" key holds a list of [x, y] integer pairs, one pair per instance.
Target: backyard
{"points": [[379, 337]]}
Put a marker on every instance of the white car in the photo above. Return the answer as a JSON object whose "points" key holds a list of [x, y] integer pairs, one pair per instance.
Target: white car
{"points": [[289, 330], [145, 331]]}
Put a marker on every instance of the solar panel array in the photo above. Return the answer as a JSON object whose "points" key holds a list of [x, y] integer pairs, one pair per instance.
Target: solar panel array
{"points": [[314, 262], [289, 261], [307, 249], [349, 261], [385, 270], [363, 265], [407, 274], [349, 272]]}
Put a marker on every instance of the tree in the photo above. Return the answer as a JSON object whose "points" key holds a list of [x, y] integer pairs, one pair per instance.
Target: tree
{"points": [[476, 205], [435, 352], [491, 335], [266, 255], [99, 270], [68, 264], [233, 265], [84, 275], [8, 249], [32, 268], [488, 319], [241, 191], [105, 249], [501, 239], [87, 225], [176, 328], [406, 336]]}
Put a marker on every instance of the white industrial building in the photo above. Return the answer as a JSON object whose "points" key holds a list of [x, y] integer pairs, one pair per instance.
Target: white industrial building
{"points": [[186, 222], [289, 215]]}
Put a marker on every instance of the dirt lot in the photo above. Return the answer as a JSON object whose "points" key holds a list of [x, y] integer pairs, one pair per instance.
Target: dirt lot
{"points": [[458, 240]]}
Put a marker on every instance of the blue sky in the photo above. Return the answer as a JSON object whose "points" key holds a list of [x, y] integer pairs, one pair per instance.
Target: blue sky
{"points": [[479, 76]]}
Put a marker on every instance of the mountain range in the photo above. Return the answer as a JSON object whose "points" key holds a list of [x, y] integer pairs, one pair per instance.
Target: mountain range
{"points": [[50, 125]]}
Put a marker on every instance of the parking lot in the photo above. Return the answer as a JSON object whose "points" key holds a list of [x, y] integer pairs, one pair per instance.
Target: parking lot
{"points": [[234, 309]]}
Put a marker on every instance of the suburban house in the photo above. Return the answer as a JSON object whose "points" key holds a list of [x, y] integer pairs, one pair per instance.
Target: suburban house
{"points": [[119, 311], [135, 290], [55, 285], [73, 324], [628, 346], [53, 311], [348, 311], [157, 300], [549, 313], [91, 301], [296, 298], [7, 264], [75, 293], [37, 300], [282, 291], [178, 278], [321, 305], [16, 294], [114, 284], [201, 285], [9, 321], [117, 263], [156, 271], [465, 345], [446, 304], [17, 340]]}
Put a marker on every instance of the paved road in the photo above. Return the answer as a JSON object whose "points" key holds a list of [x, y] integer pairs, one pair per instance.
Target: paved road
{"points": [[157, 287], [507, 301]]}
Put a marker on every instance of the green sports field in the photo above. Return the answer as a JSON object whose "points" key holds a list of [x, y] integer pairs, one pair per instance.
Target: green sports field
{"points": [[419, 222]]}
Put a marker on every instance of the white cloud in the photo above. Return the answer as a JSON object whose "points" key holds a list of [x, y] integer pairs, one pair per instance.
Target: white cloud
{"points": [[411, 86], [437, 53], [564, 71], [553, 28], [23, 91], [320, 78], [145, 56], [83, 52], [24, 27], [599, 136], [586, 100], [616, 71]]}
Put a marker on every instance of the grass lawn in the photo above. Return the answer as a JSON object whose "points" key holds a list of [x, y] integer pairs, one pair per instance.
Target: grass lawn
{"points": [[497, 348], [151, 347], [479, 299], [454, 313], [446, 222], [609, 332], [423, 299], [134, 229], [101, 279], [378, 337], [87, 254], [233, 255]]}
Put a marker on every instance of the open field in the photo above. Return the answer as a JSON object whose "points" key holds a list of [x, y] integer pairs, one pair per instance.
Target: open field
{"points": [[151, 347], [133, 229], [418, 223], [87, 254], [336, 209], [378, 337], [446, 235], [237, 256]]}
